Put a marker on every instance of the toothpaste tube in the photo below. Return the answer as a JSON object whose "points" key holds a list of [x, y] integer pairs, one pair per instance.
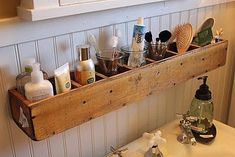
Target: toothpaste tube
{"points": [[136, 57]]}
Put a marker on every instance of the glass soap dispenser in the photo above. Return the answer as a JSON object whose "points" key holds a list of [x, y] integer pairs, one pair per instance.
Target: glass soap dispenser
{"points": [[202, 109]]}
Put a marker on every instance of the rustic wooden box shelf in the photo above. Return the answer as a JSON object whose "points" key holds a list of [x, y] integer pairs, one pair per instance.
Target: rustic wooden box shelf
{"points": [[83, 103]]}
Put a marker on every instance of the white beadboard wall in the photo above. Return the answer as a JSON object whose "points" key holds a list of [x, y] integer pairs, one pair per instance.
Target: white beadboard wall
{"points": [[117, 128], [231, 120]]}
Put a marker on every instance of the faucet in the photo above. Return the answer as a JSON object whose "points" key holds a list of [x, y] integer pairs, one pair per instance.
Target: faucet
{"points": [[117, 151], [187, 136], [154, 139]]}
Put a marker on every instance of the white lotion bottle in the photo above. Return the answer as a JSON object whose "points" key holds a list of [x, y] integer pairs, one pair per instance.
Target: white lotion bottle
{"points": [[38, 88]]}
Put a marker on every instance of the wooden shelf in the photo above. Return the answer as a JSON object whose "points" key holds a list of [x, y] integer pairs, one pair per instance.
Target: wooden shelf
{"points": [[83, 103]]}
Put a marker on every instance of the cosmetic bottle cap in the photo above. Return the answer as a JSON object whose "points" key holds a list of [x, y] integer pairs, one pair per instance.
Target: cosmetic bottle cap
{"points": [[84, 53], [140, 21], [36, 75], [28, 63]]}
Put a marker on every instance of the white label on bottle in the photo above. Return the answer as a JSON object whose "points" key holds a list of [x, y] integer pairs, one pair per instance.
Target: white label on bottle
{"points": [[85, 77], [39, 95], [23, 120], [206, 136]]}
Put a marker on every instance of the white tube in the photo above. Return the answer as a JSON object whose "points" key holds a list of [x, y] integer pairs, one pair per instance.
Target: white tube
{"points": [[62, 79]]}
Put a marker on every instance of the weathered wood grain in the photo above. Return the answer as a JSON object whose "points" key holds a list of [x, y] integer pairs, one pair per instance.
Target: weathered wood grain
{"points": [[61, 112]]}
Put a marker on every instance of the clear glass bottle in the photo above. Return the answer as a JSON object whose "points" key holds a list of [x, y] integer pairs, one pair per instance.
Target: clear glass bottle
{"points": [[25, 76], [202, 108], [85, 68]]}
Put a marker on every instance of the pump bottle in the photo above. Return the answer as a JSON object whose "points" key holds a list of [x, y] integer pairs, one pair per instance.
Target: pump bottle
{"points": [[202, 108], [38, 88]]}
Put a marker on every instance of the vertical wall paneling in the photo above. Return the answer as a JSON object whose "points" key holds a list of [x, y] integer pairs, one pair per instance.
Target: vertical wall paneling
{"points": [[152, 110], [105, 34], [231, 120], [77, 39], [63, 50], [130, 26], [188, 85], [221, 72], [170, 104], [147, 23], [132, 122], [96, 33], [164, 22], [143, 116], [123, 39], [99, 136], [175, 20], [179, 105], [63, 54], [7, 147], [184, 18], [94, 138], [193, 18], [201, 16], [87, 148], [213, 75], [40, 148], [71, 137], [160, 99], [231, 10], [72, 143], [230, 64], [56, 145], [155, 26], [111, 130], [25, 50], [122, 126], [47, 55]]}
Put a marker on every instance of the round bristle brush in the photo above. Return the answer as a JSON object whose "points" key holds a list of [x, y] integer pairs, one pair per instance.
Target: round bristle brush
{"points": [[148, 37], [165, 36]]}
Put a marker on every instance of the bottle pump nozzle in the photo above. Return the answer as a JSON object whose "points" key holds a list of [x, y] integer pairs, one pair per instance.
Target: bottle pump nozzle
{"points": [[36, 75], [204, 78], [203, 93]]}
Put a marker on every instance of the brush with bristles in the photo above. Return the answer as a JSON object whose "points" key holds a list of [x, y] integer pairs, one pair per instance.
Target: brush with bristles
{"points": [[164, 36], [148, 42], [174, 34], [148, 37], [184, 37], [93, 42]]}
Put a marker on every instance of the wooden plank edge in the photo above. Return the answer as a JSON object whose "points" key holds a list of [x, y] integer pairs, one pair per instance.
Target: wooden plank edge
{"points": [[16, 102]]}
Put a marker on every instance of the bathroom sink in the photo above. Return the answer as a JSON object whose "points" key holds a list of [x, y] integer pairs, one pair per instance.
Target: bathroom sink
{"points": [[223, 145]]}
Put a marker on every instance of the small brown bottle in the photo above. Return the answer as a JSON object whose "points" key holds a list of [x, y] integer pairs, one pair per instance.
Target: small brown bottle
{"points": [[85, 68]]}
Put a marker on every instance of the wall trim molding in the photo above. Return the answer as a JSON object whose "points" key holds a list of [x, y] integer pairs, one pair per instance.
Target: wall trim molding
{"points": [[17, 30]]}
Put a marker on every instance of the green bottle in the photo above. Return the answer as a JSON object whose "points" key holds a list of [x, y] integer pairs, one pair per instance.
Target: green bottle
{"points": [[202, 108]]}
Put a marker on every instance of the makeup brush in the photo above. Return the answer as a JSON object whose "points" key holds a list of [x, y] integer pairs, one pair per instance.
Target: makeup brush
{"points": [[93, 42], [164, 36], [148, 42], [148, 37]]}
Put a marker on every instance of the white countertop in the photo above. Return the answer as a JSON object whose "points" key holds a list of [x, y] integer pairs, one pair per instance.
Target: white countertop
{"points": [[223, 145]]}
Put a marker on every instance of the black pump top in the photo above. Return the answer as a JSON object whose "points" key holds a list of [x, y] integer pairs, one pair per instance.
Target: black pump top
{"points": [[203, 93]]}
